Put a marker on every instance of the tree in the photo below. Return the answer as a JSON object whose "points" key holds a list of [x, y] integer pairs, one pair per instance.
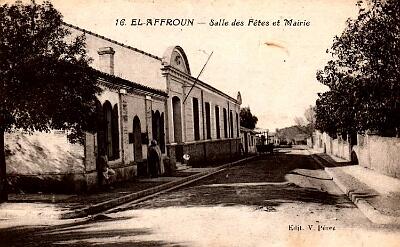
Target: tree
{"points": [[363, 76], [307, 123], [46, 81], [299, 121], [309, 115], [247, 119]]}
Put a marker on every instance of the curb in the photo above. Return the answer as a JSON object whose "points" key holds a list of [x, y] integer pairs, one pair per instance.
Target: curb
{"points": [[365, 207], [148, 193]]}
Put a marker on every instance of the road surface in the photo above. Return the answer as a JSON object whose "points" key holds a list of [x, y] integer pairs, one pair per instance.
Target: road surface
{"points": [[284, 199]]}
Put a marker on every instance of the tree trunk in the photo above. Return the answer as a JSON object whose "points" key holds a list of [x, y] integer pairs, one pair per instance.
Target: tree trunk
{"points": [[3, 174]]}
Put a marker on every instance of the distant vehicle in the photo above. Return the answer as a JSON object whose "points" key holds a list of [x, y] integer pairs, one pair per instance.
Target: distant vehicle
{"points": [[269, 148]]}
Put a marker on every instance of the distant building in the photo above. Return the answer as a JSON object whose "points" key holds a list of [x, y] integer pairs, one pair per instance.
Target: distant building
{"points": [[249, 140]]}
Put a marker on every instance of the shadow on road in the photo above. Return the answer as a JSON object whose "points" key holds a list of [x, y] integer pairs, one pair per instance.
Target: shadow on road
{"points": [[86, 233], [327, 161], [260, 182]]}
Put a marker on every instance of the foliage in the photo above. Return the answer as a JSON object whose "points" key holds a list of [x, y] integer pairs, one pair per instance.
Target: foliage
{"points": [[46, 79], [307, 123], [364, 75], [247, 119], [299, 121]]}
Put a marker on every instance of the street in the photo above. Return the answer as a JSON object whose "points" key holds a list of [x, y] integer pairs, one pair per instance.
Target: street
{"points": [[283, 199]]}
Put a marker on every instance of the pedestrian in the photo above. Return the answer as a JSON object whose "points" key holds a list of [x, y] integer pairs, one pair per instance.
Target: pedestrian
{"points": [[154, 159], [106, 171]]}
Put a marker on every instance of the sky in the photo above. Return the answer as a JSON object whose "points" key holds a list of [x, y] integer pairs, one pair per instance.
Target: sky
{"points": [[273, 67]]}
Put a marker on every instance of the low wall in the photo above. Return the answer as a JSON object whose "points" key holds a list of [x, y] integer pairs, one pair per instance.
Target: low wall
{"points": [[47, 162], [381, 154], [122, 173], [44, 162], [205, 152], [337, 147], [341, 148], [310, 142], [42, 153], [47, 183]]}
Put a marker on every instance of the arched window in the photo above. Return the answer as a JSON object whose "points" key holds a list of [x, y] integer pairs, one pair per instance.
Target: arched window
{"points": [[158, 129], [137, 136], [111, 131], [196, 122], [101, 141], [177, 118], [225, 123], [155, 122], [237, 125], [162, 140], [100, 127], [208, 120], [217, 127], [108, 129], [231, 122], [115, 132]]}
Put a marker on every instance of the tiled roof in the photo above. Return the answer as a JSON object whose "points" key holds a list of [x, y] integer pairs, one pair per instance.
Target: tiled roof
{"points": [[124, 82], [112, 41]]}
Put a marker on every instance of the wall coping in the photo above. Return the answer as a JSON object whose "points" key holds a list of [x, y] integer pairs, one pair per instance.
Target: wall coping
{"points": [[203, 141]]}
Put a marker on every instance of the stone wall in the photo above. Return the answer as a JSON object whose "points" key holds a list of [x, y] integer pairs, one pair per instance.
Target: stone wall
{"points": [[381, 154], [44, 162]]}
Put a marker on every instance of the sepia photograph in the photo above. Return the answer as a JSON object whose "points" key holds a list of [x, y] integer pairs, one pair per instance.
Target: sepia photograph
{"points": [[200, 123]]}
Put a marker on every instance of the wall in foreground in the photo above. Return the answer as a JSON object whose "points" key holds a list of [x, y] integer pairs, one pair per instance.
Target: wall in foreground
{"points": [[44, 162], [381, 154]]}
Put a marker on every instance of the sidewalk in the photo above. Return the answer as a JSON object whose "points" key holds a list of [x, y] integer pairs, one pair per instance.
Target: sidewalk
{"points": [[57, 206], [375, 194]]}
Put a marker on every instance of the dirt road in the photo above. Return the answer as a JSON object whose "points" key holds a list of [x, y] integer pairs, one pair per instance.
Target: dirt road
{"points": [[284, 199]]}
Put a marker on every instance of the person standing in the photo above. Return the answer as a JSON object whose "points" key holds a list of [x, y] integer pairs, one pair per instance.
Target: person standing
{"points": [[106, 171], [154, 159]]}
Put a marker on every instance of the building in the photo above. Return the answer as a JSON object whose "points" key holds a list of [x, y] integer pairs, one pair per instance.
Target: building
{"points": [[145, 97], [249, 140]]}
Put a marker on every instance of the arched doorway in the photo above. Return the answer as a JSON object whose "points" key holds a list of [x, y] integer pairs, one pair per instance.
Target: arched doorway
{"points": [[137, 143], [177, 118]]}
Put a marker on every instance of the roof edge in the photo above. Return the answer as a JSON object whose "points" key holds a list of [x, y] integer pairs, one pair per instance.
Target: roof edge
{"points": [[111, 40]]}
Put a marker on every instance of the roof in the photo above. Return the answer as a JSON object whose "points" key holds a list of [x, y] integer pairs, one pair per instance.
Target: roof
{"points": [[301, 137], [112, 41], [120, 81], [244, 129]]}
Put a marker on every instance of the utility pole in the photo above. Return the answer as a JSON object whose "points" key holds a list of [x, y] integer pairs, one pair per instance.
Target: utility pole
{"points": [[197, 78]]}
